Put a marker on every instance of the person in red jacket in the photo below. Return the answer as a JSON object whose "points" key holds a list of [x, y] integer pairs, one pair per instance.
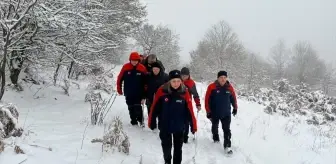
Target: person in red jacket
{"points": [[172, 105], [133, 74], [190, 84], [220, 95]]}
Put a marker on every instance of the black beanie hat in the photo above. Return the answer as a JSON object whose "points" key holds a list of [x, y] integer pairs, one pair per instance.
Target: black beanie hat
{"points": [[185, 71], [156, 64], [174, 74], [221, 73]]}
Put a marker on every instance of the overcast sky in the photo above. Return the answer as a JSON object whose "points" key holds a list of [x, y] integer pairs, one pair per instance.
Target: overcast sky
{"points": [[259, 23]]}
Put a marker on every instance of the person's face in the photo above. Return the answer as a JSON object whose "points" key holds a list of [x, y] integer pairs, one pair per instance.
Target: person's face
{"points": [[175, 83], [156, 70], [134, 62], [185, 77], [222, 80], [150, 61]]}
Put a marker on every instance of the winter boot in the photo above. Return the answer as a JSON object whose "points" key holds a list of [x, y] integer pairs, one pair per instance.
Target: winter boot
{"points": [[142, 124], [167, 162], [228, 150], [215, 138], [134, 122]]}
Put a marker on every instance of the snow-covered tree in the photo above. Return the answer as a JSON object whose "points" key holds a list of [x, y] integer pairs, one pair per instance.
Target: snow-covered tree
{"points": [[279, 57], [159, 40], [17, 27], [306, 66], [220, 49], [70, 34], [257, 72], [328, 80]]}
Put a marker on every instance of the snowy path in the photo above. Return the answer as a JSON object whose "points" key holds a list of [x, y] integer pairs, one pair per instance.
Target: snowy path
{"points": [[257, 138]]}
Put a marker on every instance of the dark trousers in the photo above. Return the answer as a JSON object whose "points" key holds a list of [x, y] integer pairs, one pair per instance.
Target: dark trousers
{"points": [[167, 141], [149, 105], [226, 121], [135, 110]]}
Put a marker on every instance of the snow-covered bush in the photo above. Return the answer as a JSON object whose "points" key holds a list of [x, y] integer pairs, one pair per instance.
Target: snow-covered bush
{"points": [[95, 96], [101, 83], [115, 137], [9, 121], [287, 99], [66, 86], [100, 108]]}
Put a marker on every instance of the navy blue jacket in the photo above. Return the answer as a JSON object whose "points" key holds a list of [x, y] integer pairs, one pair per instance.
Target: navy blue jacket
{"points": [[153, 83], [134, 80], [218, 100], [173, 108]]}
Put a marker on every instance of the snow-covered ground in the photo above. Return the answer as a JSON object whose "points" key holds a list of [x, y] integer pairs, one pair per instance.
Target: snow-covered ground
{"points": [[58, 121]]}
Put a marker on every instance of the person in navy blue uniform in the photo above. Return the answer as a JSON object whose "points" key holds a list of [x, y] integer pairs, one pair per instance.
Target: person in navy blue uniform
{"points": [[220, 95], [154, 80], [133, 74], [172, 105]]}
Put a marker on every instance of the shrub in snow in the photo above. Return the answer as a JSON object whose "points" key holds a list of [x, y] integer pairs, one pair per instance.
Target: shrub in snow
{"points": [[100, 83], [115, 137], [93, 96], [66, 86], [100, 108], [31, 74], [9, 121], [18, 150], [287, 99]]}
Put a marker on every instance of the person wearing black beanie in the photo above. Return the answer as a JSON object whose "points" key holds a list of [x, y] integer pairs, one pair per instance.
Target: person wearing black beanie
{"points": [[154, 80], [221, 73], [219, 97], [172, 105]]}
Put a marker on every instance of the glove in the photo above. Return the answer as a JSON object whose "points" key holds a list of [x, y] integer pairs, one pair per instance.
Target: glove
{"points": [[234, 112], [193, 131], [209, 115], [198, 108], [119, 92], [143, 101], [153, 126]]}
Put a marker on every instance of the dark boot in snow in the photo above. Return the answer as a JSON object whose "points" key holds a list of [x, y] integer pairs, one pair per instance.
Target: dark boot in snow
{"points": [[134, 122], [142, 124], [228, 150], [215, 138], [185, 139], [167, 162]]}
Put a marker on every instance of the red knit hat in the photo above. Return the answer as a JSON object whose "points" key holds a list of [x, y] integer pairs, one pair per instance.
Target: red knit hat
{"points": [[134, 56]]}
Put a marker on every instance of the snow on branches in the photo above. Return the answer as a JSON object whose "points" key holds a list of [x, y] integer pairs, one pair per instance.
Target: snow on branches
{"points": [[115, 137], [161, 41], [9, 121], [288, 99]]}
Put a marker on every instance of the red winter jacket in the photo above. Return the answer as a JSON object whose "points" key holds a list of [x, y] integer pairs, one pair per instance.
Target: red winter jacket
{"points": [[134, 80], [192, 90]]}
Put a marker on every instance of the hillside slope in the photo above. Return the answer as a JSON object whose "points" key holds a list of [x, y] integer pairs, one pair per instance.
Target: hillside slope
{"points": [[58, 121]]}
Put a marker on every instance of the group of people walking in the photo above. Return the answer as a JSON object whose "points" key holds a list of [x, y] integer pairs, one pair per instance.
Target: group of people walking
{"points": [[169, 105]]}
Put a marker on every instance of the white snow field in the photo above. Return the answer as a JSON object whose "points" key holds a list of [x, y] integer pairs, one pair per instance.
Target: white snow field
{"points": [[58, 121]]}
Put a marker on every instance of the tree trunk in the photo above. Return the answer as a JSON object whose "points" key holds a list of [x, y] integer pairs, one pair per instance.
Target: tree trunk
{"points": [[56, 74], [70, 69], [15, 66], [57, 69], [4, 61]]}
